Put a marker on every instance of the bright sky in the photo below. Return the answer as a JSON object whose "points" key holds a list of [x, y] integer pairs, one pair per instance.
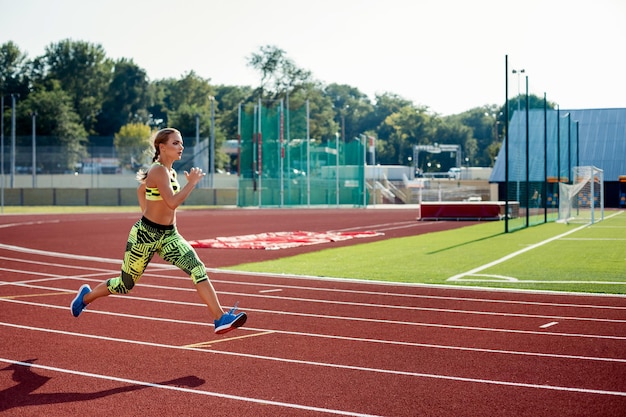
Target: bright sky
{"points": [[445, 54]]}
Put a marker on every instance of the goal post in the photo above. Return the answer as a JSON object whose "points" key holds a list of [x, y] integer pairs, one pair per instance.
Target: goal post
{"points": [[583, 200]]}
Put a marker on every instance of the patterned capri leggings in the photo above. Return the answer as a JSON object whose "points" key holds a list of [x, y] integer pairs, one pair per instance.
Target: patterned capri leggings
{"points": [[144, 240]]}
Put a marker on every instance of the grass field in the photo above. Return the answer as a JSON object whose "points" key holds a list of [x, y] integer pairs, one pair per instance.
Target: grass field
{"points": [[552, 256]]}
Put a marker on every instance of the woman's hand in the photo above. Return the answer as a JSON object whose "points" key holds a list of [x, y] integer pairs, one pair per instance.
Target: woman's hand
{"points": [[194, 175]]}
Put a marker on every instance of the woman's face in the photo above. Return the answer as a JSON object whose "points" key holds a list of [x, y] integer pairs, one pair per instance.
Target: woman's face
{"points": [[173, 148]]}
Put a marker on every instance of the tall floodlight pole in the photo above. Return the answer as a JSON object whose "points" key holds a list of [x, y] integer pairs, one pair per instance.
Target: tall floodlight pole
{"points": [[196, 145], [527, 160], [518, 72]]}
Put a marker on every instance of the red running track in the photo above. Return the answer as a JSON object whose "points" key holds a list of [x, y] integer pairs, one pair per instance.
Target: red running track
{"points": [[311, 347]]}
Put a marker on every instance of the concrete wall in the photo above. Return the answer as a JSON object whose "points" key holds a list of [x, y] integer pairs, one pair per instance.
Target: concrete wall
{"points": [[107, 197], [105, 190]]}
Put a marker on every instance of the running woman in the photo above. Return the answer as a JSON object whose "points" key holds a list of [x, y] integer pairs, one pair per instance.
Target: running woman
{"points": [[159, 196]]}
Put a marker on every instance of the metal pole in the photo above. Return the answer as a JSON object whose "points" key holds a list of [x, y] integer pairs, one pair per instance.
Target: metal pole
{"points": [[2, 153], [337, 169], [260, 154], [308, 155], [196, 146], [34, 163], [544, 192], [212, 149], [577, 145], [281, 151], [506, 144], [364, 138], [527, 160], [12, 140], [570, 169], [558, 148]]}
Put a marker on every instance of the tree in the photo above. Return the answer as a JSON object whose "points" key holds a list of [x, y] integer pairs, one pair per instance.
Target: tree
{"points": [[126, 100], [133, 145], [13, 70], [57, 120], [407, 127], [228, 99], [83, 72], [352, 109], [279, 74]]}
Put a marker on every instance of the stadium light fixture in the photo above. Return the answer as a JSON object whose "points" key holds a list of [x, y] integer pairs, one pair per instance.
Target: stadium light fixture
{"points": [[518, 72]]}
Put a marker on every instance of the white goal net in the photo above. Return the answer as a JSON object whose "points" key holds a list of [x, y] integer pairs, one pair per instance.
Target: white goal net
{"points": [[582, 201]]}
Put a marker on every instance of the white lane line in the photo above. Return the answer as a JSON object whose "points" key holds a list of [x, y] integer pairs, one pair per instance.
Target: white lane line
{"points": [[344, 303], [356, 339], [552, 323], [334, 366], [269, 291], [186, 390]]}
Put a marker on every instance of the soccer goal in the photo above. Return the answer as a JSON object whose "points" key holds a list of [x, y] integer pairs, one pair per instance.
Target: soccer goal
{"points": [[582, 201]]}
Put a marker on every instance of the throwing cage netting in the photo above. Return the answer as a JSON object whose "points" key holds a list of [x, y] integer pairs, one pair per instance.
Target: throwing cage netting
{"points": [[281, 165]]}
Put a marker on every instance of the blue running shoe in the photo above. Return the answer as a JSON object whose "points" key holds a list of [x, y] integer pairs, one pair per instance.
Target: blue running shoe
{"points": [[230, 321], [77, 303]]}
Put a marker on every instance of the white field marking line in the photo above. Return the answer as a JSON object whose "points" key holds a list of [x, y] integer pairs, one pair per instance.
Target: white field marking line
{"points": [[326, 365], [514, 254], [593, 238], [187, 390], [369, 340], [343, 303], [552, 323], [503, 279]]}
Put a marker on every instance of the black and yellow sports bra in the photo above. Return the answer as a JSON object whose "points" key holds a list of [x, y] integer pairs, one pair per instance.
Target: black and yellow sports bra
{"points": [[153, 194]]}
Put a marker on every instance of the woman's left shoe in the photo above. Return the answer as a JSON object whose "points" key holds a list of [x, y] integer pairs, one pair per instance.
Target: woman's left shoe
{"points": [[230, 321]]}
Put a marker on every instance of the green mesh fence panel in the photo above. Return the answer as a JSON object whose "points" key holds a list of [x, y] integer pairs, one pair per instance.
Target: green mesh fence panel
{"points": [[279, 166]]}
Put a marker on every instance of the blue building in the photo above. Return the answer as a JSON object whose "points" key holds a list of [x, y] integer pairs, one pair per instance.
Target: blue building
{"points": [[560, 140]]}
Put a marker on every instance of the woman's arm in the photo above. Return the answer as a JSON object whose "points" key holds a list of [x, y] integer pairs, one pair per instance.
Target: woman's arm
{"points": [[141, 196]]}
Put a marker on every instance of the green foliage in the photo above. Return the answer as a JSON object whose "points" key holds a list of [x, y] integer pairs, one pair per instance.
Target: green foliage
{"points": [[126, 100], [56, 115], [83, 71], [13, 70], [279, 73], [133, 146]]}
